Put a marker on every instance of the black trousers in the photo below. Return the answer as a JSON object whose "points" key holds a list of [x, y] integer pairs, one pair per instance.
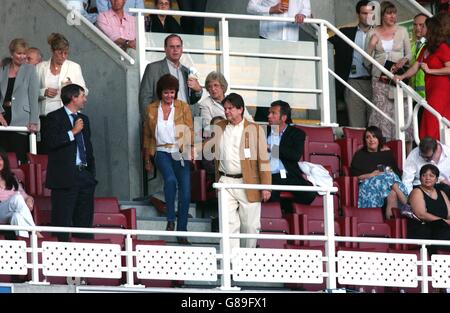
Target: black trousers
{"points": [[74, 207], [15, 142], [304, 197], [192, 25]]}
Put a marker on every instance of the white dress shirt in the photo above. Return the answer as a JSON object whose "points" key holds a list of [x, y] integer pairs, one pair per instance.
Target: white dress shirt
{"points": [[176, 71], [274, 139], [414, 162], [230, 160], [279, 30], [165, 131]]}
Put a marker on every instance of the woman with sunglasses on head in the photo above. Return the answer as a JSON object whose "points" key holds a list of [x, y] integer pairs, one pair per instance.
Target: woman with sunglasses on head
{"points": [[53, 75], [375, 167]]}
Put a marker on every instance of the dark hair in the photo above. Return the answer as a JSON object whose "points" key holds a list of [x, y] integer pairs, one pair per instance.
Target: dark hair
{"points": [[170, 37], [70, 91], [170, 3], [435, 34], [167, 82], [420, 14], [285, 109], [426, 144], [429, 167], [444, 18], [387, 7], [57, 41], [216, 119], [236, 101], [6, 174], [361, 3], [377, 133]]}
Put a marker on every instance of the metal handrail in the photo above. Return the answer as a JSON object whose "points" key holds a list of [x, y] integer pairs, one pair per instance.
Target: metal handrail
{"points": [[32, 142], [419, 7]]}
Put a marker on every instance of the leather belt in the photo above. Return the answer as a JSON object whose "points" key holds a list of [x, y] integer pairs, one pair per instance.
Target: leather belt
{"points": [[231, 175]]}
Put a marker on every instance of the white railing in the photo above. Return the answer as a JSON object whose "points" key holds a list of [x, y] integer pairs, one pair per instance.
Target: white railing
{"points": [[74, 18], [419, 7], [157, 262], [402, 90], [33, 147]]}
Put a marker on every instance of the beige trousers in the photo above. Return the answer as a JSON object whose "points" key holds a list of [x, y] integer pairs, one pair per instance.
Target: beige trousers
{"points": [[244, 216]]}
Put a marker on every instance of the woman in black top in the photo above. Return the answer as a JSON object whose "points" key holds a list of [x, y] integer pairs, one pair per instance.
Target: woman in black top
{"points": [[374, 165], [162, 23], [431, 206]]}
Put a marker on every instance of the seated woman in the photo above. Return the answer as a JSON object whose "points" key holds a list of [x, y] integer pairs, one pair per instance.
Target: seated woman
{"points": [[162, 23], [431, 206], [380, 185], [168, 145], [15, 204]]}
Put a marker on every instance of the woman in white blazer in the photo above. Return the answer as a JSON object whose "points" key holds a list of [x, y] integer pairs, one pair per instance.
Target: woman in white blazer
{"points": [[53, 75]]}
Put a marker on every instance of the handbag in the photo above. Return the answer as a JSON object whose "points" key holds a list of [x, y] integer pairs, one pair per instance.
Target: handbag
{"points": [[407, 211], [388, 65]]}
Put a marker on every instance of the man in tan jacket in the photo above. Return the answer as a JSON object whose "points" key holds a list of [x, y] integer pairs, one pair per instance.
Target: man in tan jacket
{"points": [[241, 157]]}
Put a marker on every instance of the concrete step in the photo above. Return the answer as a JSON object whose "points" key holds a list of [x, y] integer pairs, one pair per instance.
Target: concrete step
{"points": [[194, 224]]}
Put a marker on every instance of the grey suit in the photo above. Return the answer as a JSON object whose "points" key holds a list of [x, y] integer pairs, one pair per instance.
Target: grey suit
{"points": [[25, 95], [153, 72]]}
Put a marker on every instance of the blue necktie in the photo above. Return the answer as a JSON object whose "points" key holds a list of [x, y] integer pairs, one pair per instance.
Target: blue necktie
{"points": [[80, 142]]}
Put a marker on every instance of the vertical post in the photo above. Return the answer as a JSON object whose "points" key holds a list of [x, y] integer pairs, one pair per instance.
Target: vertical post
{"points": [[424, 266], [129, 260], [224, 242], [324, 78], [34, 258], [33, 147], [224, 38], [330, 247], [399, 116], [141, 43]]}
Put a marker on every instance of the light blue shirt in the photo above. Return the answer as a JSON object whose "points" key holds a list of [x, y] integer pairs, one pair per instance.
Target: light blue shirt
{"points": [[71, 136], [274, 139], [105, 5], [358, 59]]}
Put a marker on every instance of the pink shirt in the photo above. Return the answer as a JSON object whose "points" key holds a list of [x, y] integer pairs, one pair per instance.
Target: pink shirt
{"points": [[114, 27], [6, 194]]}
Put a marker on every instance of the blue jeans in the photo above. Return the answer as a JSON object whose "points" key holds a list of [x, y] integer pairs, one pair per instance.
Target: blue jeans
{"points": [[174, 174]]}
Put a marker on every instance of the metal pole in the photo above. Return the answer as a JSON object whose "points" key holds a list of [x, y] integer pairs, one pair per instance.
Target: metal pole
{"points": [[324, 78], [424, 261], [141, 44], [330, 248], [224, 242], [33, 146], [399, 116], [224, 38]]}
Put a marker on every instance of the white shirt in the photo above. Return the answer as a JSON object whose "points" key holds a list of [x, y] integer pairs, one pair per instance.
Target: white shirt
{"points": [[357, 63], [274, 139], [165, 131], [414, 163], [230, 160], [176, 71], [279, 30]]}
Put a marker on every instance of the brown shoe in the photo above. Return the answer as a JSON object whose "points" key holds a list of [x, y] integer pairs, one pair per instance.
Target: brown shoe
{"points": [[159, 205], [170, 226]]}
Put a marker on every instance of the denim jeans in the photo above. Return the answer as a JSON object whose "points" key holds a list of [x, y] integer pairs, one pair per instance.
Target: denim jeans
{"points": [[175, 175]]}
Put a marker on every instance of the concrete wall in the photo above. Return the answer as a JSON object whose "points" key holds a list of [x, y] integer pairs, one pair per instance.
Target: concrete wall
{"points": [[106, 77]]}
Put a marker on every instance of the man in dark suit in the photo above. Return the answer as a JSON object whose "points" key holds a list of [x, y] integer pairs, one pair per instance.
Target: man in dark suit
{"points": [[71, 165], [190, 90], [286, 144], [349, 66], [192, 25]]}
